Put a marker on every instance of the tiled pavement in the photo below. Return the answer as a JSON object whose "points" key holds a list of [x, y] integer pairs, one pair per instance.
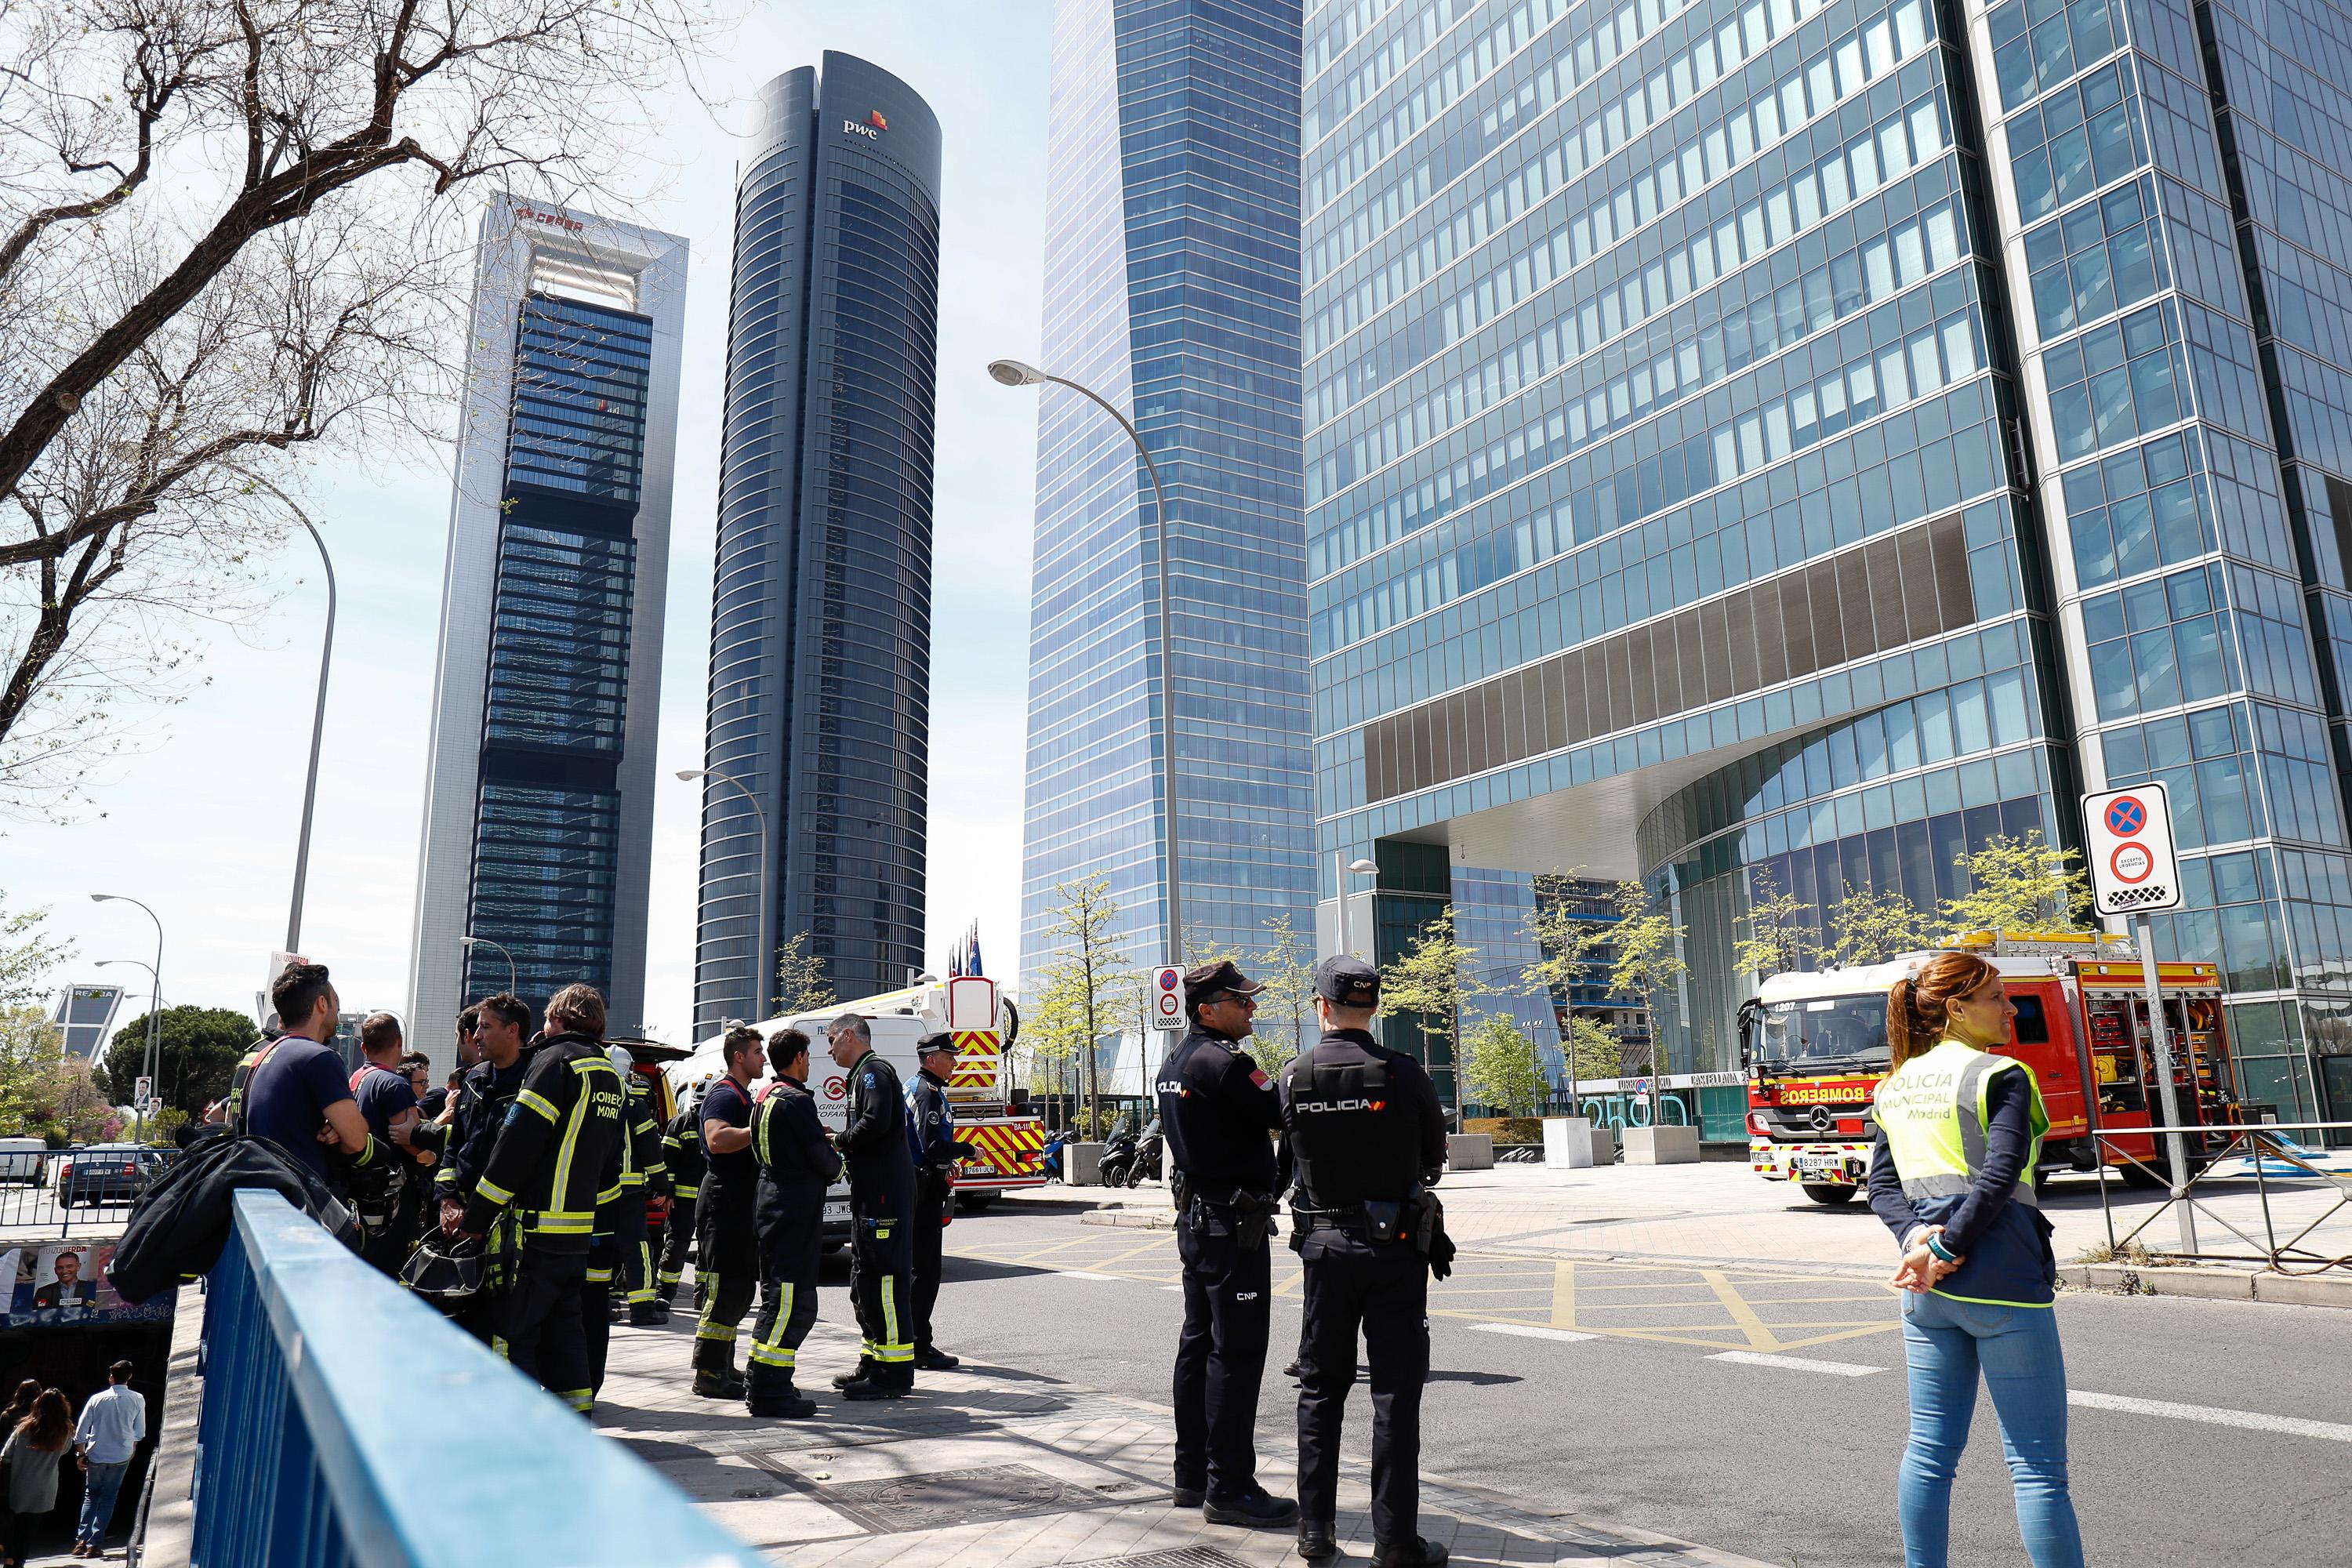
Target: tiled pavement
{"points": [[1002, 1468]]}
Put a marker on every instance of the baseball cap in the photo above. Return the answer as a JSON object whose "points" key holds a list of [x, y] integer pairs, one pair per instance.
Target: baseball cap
{"points": [[1211, 981], [1350, 982]]}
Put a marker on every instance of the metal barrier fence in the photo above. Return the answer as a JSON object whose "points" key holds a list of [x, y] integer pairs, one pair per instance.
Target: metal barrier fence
{"points": [[92, 1187], [2217, 1147], [345, 1422]]}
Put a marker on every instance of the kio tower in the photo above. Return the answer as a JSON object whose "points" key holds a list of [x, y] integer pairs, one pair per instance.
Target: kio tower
{"points": [[538, 791], [820, 598]]}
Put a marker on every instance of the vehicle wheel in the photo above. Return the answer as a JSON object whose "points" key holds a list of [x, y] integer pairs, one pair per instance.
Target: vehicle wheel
{"points": [[974, 1202], [2136, 1175], [1831, 1194]]}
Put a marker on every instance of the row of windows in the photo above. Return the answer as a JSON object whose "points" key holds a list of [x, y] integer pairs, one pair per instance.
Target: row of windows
{"points": [[2208, 762], [2074, 141], [559, 654], [2037, 44], [2116, 383], [2099, 258], [2136, 511]]}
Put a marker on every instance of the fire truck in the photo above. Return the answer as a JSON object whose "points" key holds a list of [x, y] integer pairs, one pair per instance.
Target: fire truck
{"points": [[984, 1022], [1813, 1045]]}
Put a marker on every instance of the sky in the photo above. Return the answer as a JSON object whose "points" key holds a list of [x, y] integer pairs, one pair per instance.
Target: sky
{"points": [[198, 817]]}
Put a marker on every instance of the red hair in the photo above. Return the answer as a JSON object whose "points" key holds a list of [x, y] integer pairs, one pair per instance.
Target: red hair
{"points": [[1918, 1009]]}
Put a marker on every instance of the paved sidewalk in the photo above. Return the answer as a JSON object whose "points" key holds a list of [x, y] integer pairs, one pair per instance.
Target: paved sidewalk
{"points": [[1002, 1467]]}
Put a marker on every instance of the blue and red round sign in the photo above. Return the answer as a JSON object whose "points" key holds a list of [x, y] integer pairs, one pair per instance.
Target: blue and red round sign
{"points": [[2125, 816]]}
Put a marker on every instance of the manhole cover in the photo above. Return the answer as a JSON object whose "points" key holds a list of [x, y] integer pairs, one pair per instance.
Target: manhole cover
{"points": [[954, 1497], [1181, 1557]]}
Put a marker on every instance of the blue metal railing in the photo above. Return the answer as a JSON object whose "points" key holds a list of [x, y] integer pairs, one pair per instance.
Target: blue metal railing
{"points": [[346, 1422]]}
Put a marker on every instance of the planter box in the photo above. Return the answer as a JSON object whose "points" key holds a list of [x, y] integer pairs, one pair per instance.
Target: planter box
{"points": [[1469, 1151], [1662, 1145], [1083, 1163], [1506, 1131], [1570, 1143]]}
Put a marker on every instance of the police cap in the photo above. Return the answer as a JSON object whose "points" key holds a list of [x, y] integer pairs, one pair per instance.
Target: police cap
{"points": [[1212, 981], [1350, 982], [938, 1041]]}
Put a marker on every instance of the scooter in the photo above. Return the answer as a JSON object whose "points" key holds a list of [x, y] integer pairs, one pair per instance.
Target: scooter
{"points": [[1118, 1153], [1148, 1155], [1053, 1156]]}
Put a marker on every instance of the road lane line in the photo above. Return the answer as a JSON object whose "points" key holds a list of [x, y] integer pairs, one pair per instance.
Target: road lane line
{"points": [[1084, 1274], [1532, 1331], [1798, 1363], [2250, 1420]]}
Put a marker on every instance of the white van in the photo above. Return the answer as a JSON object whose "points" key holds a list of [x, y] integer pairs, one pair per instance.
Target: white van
{"points": [[22, 1159]]}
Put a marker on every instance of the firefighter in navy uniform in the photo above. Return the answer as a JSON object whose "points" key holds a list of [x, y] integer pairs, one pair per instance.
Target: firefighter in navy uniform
{"points": [[797, 1164], [634, 1171], [559, 1144], [727, 1242], [1367, 1134], [881, 1208], [936, 1150], [1220, 1113], [682, 1152], [646, 1179], [484, 1094]]}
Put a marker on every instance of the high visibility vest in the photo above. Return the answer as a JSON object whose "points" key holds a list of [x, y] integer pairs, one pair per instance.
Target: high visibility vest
{"points": [[1934, 1111]]}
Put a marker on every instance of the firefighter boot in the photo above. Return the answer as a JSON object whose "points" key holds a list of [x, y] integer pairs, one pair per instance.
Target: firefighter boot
{"points": [[769, 1395], [648, 1314], [863, 1371], [715, 1376]]}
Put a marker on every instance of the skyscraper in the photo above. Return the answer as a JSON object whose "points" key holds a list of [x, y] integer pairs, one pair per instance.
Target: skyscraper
{"points": [[821, 606], [1793, 440], [1171, 289], [547, 689]]}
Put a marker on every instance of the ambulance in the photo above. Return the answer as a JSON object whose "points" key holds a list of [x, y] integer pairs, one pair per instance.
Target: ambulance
{"points": [[983, 1022], [1813, 1045]]}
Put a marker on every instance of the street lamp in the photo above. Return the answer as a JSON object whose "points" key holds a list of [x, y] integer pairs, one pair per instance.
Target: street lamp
{"points": [[139, 963], [1013, 373], [1361, 868], [501, 952], [317, 730], [154, 1007], [763, 950]]}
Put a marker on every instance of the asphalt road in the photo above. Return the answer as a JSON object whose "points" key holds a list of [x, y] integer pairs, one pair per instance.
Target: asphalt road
{"points": [[1630, 1415]]}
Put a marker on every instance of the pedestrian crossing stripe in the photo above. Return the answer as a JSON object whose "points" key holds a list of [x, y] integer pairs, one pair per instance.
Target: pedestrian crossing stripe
{"points": [[976, 1059], [1016, 1150]]}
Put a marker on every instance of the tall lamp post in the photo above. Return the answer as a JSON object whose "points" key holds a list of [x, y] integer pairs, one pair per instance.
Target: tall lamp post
{"points": [[1013, 373], [1361, 868], [763, 949], [496, 948], [141, 963], [154, 1007], [317, 730]]}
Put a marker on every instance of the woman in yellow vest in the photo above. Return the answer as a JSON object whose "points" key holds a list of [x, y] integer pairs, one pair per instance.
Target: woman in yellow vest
{"points": [[1958, 1137]]}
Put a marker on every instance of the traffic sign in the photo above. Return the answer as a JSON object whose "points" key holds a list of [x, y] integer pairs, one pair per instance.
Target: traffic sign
{"points": [[1167, 998], [2130, 837]]}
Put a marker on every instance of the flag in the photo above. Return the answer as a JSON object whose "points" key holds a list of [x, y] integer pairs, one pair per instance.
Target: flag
{"points": [[973, 967], [955, 960]]}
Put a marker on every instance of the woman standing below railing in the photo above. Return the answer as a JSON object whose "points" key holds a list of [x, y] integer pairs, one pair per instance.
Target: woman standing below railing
{"points": [[1958, 1138]]}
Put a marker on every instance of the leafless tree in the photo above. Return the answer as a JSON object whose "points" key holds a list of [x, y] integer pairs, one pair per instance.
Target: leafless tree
{"points": [[231, 232]]}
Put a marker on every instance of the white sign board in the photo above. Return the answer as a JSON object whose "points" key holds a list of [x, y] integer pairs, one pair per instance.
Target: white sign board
{"points": [[144, 1093], [1167, 998], [2127, 840]]}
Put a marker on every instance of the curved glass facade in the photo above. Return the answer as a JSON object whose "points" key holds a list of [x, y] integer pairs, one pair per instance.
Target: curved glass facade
{"points": [[821, 594]]}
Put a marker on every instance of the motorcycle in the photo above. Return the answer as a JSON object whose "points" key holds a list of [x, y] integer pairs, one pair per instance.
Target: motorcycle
{"points": [[1053, 1158], [1148, 1155], [1118, 1153]]}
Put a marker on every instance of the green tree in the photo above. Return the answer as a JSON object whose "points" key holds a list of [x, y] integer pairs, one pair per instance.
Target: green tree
{"points": [[2019, 884], [44, 1093], [802, 985], [25, 955], [1648, 960], [1781, 935], [1088, 985], [196, 1052], [1286, 1006], [1591, 1049], [1500, 1068], [1434, 980], [1868, 926]]}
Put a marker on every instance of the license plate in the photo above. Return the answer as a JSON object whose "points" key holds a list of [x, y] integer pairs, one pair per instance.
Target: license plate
{"points": [[1831, 1167], [836, 1211]]}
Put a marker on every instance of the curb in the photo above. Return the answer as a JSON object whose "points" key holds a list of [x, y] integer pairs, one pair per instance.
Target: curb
{"points": [[1129, 1220], [2333, 1290]]}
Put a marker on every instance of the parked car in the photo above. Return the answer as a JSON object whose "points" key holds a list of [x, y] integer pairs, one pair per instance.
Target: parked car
{"points": [[21, 1159], [106, 1174]]}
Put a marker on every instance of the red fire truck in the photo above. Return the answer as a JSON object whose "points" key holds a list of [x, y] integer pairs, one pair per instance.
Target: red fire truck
{"points": [[1815, 1046]]}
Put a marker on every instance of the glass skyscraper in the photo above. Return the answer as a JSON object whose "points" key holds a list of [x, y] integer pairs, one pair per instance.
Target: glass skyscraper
{"points": [[539, 798], [821, 606], [1171, 289], [1803, 438]]}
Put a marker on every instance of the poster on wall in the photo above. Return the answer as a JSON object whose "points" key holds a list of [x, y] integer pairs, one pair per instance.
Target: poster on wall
{"points": [[66, 1283]]}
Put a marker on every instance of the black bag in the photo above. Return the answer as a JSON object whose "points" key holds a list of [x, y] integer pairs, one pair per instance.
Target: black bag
{"points": [[178, 1228]]}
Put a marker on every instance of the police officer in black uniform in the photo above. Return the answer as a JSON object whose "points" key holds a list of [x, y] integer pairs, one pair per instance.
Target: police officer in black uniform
{"points": [[1364, 1126], [1219, 1113], [797, 1164], [937, 1150], [881, 1209]]}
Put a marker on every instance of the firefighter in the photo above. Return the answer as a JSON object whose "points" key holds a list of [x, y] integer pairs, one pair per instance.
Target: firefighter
{"points": [[935, 1149], [881, 1205], [1219, 1113], [726, 1243], [682, 1152], [1364, 1126], [797, 1164], [559, 1138], [634, 1170], [489, 1088], [645, 1180]]}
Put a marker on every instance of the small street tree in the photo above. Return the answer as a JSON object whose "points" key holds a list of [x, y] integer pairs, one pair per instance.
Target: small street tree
{"points": [[196, 1052], [1868, 926], [1285, 1008], [802, 985], [1591, 1049], [1500, 1068], [1781, 934], [2019, 884], [1434, 980], [1649, 961], [1088, 987]]}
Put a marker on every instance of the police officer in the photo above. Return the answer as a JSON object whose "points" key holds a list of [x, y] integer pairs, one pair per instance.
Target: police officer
{"points": [[726, 1243], [682, 1152], [561, 1136], [881, 1205], [489, 1088], [1219, 1113], [797, 1164], [932, 1142], [1368, 1136]]}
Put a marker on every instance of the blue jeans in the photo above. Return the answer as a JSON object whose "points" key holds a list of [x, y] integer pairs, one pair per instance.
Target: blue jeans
{"points": [[101, 1484], [1946, 1342]]}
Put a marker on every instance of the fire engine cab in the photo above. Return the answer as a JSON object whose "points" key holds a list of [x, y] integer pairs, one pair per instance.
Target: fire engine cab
{"points": [[1815, 1046]]}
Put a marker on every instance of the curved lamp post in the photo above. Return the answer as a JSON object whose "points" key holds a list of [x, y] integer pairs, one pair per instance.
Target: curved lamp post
{"points": [[154, 1007], [763, 950], [317, 730], [496, 948], [1014, 372]]}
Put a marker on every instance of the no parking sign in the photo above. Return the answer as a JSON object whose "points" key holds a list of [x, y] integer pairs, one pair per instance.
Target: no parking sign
{"points": [[2128, 834]]}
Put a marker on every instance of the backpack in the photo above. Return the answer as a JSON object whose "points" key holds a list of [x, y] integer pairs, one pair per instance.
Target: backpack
{"points": [[178, 1228]]}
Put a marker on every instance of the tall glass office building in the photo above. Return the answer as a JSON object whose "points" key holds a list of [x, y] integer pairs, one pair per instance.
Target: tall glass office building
{"points": [[1171, 289], [539, 809], [821, 596], [1805, 438]]}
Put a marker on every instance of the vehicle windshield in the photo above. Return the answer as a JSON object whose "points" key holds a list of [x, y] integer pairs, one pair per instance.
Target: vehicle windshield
{"points": [[1827, 1034]]}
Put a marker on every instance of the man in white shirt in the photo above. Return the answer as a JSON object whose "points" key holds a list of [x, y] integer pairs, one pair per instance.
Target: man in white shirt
{"points": [[112, 1425]]}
